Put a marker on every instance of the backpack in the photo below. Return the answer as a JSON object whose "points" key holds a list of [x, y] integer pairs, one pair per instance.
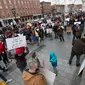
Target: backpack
{"points": [[1, 38]]}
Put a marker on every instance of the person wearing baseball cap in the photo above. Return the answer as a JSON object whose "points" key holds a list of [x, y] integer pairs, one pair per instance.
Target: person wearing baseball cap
{"points": [[20, 54], [20, 58]]}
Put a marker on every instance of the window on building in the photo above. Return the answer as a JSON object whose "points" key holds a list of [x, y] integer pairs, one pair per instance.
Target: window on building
{"points": [[10, 2], [15, 2], [6, 7], [19, 3], [4, 1], [22, 2], [0, 7], [17, 14], [3, 14], [8, 15]]}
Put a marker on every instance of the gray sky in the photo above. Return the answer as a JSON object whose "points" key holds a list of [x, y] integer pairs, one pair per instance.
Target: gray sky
{"points": [[63, 1]]}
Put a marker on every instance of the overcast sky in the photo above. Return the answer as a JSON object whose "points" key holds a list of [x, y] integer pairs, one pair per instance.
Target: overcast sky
{"points": [[63, 1]]}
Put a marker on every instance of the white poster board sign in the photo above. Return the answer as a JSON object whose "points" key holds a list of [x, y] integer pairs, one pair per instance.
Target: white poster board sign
{"points": [[77, 22], [67, 19], [49, 21], [82, 67], [50, 76], [16, 42]]}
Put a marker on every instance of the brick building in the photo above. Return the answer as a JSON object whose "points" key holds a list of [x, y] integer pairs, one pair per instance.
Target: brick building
{"points": [[58, 8], [46, 7], [74, 7], [19, 8]]}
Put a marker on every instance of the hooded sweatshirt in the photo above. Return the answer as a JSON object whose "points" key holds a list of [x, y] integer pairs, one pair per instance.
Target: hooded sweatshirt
{"points": [[53, 59], [33, 79]]}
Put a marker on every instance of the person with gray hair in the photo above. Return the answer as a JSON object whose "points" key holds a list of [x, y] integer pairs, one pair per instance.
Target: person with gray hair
{"points": [[32, 76]]}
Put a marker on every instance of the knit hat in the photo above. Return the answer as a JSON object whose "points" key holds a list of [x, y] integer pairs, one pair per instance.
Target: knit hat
{"points": [[20, 50]]}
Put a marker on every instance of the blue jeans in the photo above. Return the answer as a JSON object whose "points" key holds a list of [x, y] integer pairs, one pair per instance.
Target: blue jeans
{"points": [[74, 37]]}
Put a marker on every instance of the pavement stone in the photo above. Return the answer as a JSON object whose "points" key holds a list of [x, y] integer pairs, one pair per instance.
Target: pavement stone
{"points": [[67, 75]]}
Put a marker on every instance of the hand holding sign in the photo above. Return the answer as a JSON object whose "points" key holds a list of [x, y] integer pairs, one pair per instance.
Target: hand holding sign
{"points": [[16, 42]]}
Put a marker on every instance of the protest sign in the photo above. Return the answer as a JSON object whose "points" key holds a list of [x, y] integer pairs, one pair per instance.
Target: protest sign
{"points": [[16, 42], [77, 22], [67, 19], [82, 67], [49, 21], [50, 76]]}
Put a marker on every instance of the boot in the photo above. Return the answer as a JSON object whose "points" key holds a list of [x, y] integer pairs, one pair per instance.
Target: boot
{"points": [[4, 69]]}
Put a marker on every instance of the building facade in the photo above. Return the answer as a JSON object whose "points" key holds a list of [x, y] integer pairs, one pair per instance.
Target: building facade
{"points": [[46, 7], [83, 5], [58, 8], [19, 8], [74, 7]]}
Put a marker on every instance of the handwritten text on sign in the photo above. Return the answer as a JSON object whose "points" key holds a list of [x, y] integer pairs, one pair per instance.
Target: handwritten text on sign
{"points": [[16, 42]]}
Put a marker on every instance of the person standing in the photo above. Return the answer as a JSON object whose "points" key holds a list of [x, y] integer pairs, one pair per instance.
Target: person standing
{"points": [[78, 32], [55, 28], [78, 49], [3, 53], [20, 58], [74, 32], [53, 60], [60, 33], [35, 57], [32, 76]]}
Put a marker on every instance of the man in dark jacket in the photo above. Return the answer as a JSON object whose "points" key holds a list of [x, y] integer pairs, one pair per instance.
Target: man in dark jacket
{"points": [[78, 49], [55, 28], [60, 34]]}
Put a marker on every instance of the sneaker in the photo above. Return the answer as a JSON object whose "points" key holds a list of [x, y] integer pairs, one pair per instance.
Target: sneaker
{"points": [[69, 63], [8, 81]]}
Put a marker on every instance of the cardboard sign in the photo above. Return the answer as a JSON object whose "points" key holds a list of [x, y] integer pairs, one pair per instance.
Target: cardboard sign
{"points": [[16, 42], [50, 76], [82, 67], [77, 22]]}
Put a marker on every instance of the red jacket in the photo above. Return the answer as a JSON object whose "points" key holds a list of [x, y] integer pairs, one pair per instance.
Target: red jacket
{"points": [[2, 47]]}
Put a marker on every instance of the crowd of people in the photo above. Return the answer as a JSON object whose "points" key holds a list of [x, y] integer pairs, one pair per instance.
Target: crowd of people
{"points": [[35, 33]]}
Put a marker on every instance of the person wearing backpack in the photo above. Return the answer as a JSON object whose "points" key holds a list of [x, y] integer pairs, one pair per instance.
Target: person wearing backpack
{"points": [[53, 60]]}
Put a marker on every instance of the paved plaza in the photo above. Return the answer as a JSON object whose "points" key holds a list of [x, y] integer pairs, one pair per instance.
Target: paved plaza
{"points": [[67, 75]]}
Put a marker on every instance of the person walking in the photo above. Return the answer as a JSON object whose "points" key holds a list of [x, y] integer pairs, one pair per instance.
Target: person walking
{"points": [[53, 60], [77, 50], [32, 76]]}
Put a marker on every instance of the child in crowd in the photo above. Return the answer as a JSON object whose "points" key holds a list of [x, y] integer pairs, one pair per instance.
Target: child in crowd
{"points": [[35, 57], [53, 60]]}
